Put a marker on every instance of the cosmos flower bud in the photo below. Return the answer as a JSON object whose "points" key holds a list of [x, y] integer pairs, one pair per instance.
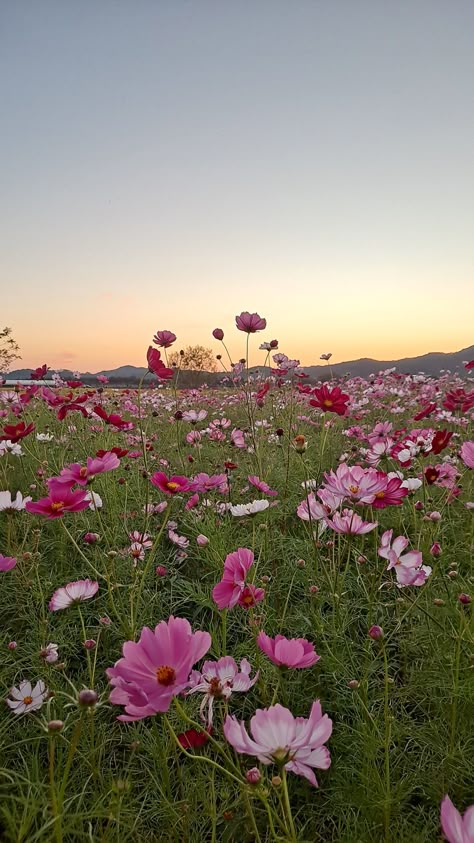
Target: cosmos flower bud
{"points": [[87, 697], [313, 589], [375, 632], [465, 599], [253, 776], [276, 781], [438, 602], [353, 684], [218, 334], [201, 540], [160, 571], [89, 644], [12, 645], [300, 443], [300, 563], [435, 549], [55, 725]]}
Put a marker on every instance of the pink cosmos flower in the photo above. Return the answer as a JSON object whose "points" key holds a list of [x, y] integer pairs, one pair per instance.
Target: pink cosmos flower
{"points": [[393, 493], [232, 588], [237, 438], [83, 475], [250, 322], [355, 483], [279, 738], [73, 592], [467, 454], [7, 562], [457, 829], [288, 652], [102, 378], [170, 485], [60, 500], [25, 698], [219, 680], [164, 339], [409, 568], [203, 483], [261, 485], [312, 510], [194, 416], [156, 365], [156, 668], [349, 523]]}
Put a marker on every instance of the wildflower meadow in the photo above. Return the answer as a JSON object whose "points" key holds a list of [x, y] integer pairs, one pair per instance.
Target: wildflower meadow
{"points": [[239, 613]]}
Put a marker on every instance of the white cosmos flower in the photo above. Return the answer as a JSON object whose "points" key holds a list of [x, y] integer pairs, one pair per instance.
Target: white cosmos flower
{"points": [[44, 437], [253, 508], [25, 698], [7, 447], [8, 505], [95, 500]]}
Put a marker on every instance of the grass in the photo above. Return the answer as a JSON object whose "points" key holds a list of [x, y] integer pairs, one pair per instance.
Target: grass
{"points": [[402, 708]]}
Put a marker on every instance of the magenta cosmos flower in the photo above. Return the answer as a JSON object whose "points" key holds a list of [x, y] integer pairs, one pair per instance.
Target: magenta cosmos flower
{"points": [[60, 500], [84, 474], [296, 743], [457, 829], [164, 339], [218, 681], [349, 523], [170, 485], [156, 668], [232, 588], [73, 592], [7, 562], [288, 652], [467, 454], [250, 322]]}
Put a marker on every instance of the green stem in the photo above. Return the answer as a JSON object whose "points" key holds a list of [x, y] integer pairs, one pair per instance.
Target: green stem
{"points": [[388, 729], [286, 803]]}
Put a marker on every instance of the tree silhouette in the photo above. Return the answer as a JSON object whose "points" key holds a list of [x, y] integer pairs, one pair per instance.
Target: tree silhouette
{"points": [[8, 349]]}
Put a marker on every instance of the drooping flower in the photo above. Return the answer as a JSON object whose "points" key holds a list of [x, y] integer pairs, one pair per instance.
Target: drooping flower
{"points": [[219, 680], [15, 432], [457, 828], [60, 500], [173, 485], [230, 590], [350, 523], [156, 365], [7, 563], [261, 485], [250, 322], [288, 652], [39, 373], [164, 339], [25, 698], [296, 743], [156, 668], [50, 654], [73, 592], [192, 738]]}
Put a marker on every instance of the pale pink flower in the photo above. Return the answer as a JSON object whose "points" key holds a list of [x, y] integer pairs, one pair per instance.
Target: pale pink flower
{"points": [[50, 654], [349, 523], [457, 829], [83, 475], [467, 454], [409, 568], [156, 668], [355, 483], [237, 438], [194, 416], [73, 592], [279, 738], [288, 652], [219, 680], [253, 508], [25, 698]]}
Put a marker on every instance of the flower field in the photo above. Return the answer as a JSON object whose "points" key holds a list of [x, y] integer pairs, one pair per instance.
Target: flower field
{"points": [[238, 614]]}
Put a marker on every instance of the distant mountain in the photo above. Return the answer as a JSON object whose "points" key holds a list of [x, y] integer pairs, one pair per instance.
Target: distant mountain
{"points": [[429, 364]]}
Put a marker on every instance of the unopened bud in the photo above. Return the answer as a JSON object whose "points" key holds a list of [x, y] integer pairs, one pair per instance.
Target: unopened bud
{"points": [[253, 776], [465, 599], [276, 781], [55, 725], [87, 697], [375, 632]]}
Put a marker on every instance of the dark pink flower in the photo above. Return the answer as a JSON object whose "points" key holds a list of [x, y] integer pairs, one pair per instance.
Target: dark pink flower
{"points": [[164, 339], [60, 500], [228, 592], [7, 563], [170, 485], [218, 334], [250, 322]]}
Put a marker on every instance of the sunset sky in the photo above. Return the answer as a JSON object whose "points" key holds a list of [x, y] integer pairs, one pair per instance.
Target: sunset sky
{"points": [[168, 164]]}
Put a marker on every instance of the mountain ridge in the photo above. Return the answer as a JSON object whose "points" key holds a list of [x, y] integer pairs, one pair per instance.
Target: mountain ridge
{"points": [[431, 363]]}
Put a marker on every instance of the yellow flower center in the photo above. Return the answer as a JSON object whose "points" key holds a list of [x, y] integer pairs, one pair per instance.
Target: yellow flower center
{"points": [[165, 675], [56, 506], [380, 495], [172, 486], [327, 402], [354, 489], [27, 700]]}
